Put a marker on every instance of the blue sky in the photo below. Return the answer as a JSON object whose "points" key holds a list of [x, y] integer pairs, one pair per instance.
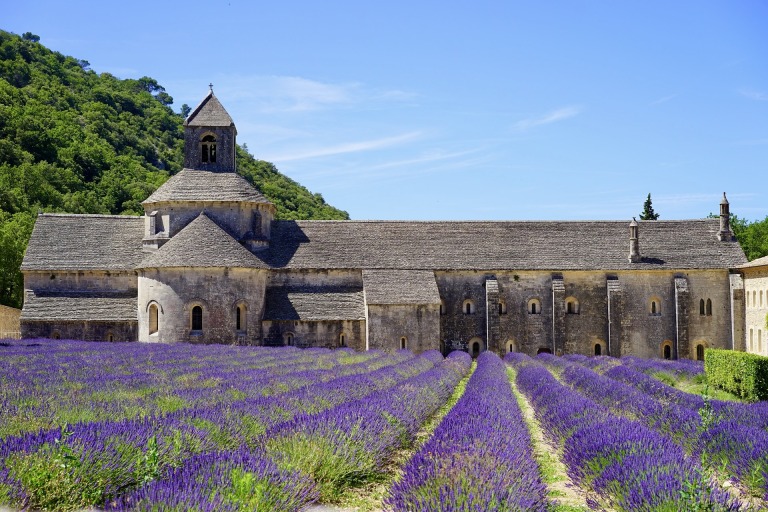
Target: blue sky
{"points": [[462, 110]]}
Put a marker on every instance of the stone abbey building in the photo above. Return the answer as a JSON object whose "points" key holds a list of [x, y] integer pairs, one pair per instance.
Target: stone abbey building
{"points": [[208, 263]]}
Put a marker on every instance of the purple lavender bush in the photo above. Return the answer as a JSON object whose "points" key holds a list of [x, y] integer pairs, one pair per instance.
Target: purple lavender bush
{"points": [[347, 445], [91, 463], [478, 458], [241, 480], [630, 466]]}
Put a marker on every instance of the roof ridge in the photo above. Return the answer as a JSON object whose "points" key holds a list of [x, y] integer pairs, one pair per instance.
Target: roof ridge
{"points": [[90, 215]]}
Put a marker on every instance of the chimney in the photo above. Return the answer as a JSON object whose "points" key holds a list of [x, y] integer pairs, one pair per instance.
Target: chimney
{"points": [[725, 234], [634, 243]]}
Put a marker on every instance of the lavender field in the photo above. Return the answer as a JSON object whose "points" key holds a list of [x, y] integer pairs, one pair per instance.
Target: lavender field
{"points": [[127, 426]]}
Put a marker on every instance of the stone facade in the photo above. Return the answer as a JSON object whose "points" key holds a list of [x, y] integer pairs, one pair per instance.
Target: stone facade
{"points": [[209, 264], [10, 322], [756, 306]]}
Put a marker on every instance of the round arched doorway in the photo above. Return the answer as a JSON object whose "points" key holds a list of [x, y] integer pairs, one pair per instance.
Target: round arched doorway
{"points": [[475, 346]]}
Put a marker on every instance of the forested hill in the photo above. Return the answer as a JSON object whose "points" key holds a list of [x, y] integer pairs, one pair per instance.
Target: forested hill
{"points": [[73, 140]]}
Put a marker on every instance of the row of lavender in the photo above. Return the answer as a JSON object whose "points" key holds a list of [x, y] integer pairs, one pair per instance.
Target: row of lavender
{"points": [[627, 464], [730, 438], [95, 463], [479, 457], [310, 456], [45, 384]]}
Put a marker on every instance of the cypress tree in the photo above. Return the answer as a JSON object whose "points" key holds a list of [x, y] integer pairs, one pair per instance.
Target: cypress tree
{"points": [[648, 213]]}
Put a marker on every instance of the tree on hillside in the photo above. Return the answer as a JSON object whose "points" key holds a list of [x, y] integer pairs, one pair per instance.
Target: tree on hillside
{"points": [[76, 141], [648, 213]]}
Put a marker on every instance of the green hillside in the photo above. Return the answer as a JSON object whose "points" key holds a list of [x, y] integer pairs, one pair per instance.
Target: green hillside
{"points": [[73, 140]]}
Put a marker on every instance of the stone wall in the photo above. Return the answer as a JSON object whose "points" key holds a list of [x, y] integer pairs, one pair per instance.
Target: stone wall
{"points": [[416, 327], [83, 281], [648, 309], [756, 311], [236, 218], [218, 291], [9, 322], [225, 148], [87, 331], [325, 333]]}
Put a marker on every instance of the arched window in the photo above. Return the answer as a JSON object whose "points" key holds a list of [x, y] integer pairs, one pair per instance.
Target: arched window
{"points": [[598, 349], [699, 352], [709, 307], [747, 294], [761, 298], [342, 340], [208, 149], [403, 343], [502, 307], [288, 338], [571, 306], [511, 347], [153, 317], [468, 307], [701, 307], [751, 340], [754, 299], [667, 352], [56, 335], [534, 307], [110, 336], [241, 318], [197, 318], [654, 308]]}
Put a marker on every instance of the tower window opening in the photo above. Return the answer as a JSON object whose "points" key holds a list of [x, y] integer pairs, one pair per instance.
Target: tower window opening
{"points": [[709, 307], [403, 343], [208, 149], [701, 307]]}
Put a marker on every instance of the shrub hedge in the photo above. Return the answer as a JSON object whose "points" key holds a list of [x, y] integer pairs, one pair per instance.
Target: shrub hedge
{"points": [[740, 373]]}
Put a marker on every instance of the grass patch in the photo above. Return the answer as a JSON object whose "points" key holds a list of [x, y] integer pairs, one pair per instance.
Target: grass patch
{"points": [[368, 496], [696, 387], [552, 471]]}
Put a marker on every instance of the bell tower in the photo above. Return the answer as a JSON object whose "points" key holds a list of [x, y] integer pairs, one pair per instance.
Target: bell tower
{"points": [[209, 137]]}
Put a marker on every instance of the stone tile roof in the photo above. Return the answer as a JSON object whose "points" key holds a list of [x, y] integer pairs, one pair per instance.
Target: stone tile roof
{"points": [[210, 112], [196, 185], [314, 304], [400, 287], [515, 245], [759, 262], [84, 242], [79, 306], [202, 243]]}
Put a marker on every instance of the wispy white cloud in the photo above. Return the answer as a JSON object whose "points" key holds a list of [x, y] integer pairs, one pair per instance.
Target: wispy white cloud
{"points": [[348, 147], [663, 99], [753, 94], [286, 94], [554, 116]]}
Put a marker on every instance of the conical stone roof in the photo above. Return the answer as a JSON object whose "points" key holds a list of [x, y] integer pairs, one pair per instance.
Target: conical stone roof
{"points": [[202, 243], [210, 112]]}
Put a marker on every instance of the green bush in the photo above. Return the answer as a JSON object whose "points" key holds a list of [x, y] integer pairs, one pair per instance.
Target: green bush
{"points": [[744, 375]]}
